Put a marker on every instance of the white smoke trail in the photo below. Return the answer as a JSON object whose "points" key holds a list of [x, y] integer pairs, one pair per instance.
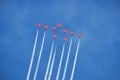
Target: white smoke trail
{"points": [[74, 64], [63, 78], [52, 64], [48, 66], [61, 58], [39, 58], [33, 53]]}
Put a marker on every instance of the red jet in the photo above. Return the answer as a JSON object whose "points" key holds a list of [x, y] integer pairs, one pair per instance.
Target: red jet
{"points": [[64, 30], [65, 39], [72, 33], [54, 36], [39, 25], [46, 27], [54, 28], [80, 35], [60, 25]]}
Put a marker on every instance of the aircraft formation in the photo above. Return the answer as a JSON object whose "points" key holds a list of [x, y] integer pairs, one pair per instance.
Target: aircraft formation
{"points": [[52, 52]]}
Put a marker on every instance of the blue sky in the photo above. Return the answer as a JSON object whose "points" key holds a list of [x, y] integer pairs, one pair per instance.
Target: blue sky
{"points": [[98, 20]]}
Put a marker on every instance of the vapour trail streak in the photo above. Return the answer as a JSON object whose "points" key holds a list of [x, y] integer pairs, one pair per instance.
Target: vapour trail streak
{"points": [[63, 78], [52, 64], [74, 64], [39, 58], [61, 58], [48, 66], [33, 53]]}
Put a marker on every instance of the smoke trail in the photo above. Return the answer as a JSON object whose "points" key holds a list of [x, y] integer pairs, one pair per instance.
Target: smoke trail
{"points": [[74, 64], [48, 66], [52, 64], [60, 62], [33, 53], [38, 62], [63, 78]]}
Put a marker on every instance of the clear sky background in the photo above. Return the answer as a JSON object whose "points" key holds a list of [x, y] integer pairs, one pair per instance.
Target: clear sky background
{"points": [[98, 20]]}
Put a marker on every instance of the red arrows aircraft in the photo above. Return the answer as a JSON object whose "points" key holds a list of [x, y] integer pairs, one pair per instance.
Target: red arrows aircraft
{"points": [[54, 28], [39, 25], [64, 30], [60, 25], [72, 33], [65, 39], [80, 35], [46, 27], [54, 36]]}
